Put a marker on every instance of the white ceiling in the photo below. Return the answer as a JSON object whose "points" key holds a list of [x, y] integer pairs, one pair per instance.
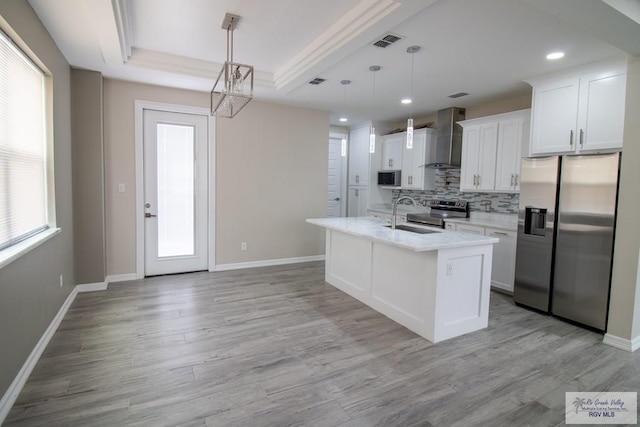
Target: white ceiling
{"points": [[483, 47]]}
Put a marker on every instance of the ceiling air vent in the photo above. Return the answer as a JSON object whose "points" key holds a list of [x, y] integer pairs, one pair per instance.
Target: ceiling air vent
{"points": [[386, 40], [317, 81], [458, 95]]}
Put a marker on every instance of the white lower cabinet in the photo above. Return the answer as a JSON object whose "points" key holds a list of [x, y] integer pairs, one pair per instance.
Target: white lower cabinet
{"points": [[503, 267], [400, 218], [357, 201], [473, 229]]}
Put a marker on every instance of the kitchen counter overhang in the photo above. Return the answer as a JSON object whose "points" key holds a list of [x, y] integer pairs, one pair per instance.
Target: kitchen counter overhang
{"points": [[436, 285]]}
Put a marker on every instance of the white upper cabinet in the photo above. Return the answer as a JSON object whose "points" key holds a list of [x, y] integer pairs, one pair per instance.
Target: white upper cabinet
{"points": [[359, 156], [478, 169], [415, 175], [392, 152], [492, 152], [579, 113], [513, 134]]}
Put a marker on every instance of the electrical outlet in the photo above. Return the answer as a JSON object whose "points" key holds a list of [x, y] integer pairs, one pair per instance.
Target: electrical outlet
{"points": [[61, 280], [120, 188], [243, 246], [449, 269]]}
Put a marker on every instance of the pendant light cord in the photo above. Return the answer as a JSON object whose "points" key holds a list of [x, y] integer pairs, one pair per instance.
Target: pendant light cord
{"points": [[411, 88]]}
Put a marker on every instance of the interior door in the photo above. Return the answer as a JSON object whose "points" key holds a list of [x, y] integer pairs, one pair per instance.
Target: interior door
{"points": [[175, 192], [334, 179]]}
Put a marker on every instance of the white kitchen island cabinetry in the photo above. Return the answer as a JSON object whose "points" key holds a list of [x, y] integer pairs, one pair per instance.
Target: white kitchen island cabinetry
{"points": [[437, 285], [579, 113]]}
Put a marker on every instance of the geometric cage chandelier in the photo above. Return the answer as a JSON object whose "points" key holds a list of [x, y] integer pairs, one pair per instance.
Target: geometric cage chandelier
{"points": [[231, 93]]}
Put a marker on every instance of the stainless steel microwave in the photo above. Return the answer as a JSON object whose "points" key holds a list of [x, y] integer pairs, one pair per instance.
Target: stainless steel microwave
{"points": [[389, 178]]}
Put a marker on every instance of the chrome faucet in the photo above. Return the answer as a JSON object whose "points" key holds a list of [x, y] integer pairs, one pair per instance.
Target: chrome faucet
{"points": [[395, 209]]}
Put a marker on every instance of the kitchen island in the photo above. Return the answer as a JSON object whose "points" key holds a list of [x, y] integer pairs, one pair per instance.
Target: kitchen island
{"points": [[435, 284]]}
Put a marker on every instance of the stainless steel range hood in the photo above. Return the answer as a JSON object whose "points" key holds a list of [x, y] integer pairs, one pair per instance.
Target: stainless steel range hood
{"points": [[447, 151]]}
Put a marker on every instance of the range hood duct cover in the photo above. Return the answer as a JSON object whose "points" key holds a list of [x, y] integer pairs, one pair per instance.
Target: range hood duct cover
{"points": [[447, 151]]}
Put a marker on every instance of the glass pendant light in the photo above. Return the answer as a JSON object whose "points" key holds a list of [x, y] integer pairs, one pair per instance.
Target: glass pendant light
{"points": [[411, 50], [344, 83], [343, 118], [372, 130]]}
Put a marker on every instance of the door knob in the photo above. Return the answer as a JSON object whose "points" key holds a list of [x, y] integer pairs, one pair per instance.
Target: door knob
{"points": [[148, 215], [337, 199]]}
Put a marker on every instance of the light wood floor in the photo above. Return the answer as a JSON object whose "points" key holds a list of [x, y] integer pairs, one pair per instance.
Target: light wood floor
{"points": [[278, 346]]}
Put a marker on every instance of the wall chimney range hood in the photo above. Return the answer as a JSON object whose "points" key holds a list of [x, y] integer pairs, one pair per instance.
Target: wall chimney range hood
{"points": [[447, 151]]}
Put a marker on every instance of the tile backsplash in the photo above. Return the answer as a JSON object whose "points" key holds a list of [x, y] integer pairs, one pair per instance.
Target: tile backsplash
{"points": [[448, 187]]}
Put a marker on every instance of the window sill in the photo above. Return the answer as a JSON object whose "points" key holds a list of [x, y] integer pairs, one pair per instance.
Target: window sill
{"points": [[14, 252]]}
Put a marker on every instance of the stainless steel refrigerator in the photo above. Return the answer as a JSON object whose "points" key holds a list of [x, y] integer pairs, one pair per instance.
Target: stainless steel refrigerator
{"points": [[566, 227]]}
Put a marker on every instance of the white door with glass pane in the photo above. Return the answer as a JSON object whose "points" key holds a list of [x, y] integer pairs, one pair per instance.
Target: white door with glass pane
{"points": [[175, 192]]}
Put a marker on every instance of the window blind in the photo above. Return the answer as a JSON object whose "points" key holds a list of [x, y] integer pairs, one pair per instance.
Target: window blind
{"points": [[23, 198]]}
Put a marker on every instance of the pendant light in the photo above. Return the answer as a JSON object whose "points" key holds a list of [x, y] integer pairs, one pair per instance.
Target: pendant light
{"points": [[344, 83], [372, 130], [230, 90], [411, 50], [343, 118]]}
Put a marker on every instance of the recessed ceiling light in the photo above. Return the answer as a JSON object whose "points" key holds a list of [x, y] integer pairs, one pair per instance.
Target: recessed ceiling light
{"points": [[343, 119], [555, 55], [406, 101]]}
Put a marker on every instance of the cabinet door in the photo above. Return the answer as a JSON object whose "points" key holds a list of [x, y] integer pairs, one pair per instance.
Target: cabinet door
{"points": [[473, 229], [357, 202], [392, 153], [601, 112], [359, 156], [414, 160], [508, 155], [486, 180], [503, 266], [555, 116], [469, 160]]}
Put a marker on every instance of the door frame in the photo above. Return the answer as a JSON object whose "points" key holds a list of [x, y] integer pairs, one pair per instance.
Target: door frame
{"points": [[140, 106], [343, 169]]}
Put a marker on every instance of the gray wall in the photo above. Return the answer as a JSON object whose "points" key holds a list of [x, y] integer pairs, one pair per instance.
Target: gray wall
{"points": [[271, 161], [30, 295], [624, 308], [88, 176]]}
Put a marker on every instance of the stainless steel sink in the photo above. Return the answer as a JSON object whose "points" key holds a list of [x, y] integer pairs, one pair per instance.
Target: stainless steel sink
{"points": [[413, 229]]}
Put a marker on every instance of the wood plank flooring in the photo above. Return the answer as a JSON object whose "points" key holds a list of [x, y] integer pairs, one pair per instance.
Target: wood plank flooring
{"points": [[277, 346]]}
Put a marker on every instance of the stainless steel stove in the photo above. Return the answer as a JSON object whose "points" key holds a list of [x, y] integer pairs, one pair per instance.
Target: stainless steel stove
{"points": [[440, 210]]}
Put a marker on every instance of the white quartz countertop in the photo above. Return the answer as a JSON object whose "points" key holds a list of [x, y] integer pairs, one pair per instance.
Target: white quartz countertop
{"points": [[388, 209], [374, 229], [502, 221]]}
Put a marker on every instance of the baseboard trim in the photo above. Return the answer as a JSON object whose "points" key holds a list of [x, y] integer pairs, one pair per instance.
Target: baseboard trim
{"points": [[121, 278], [12, 393], [267, 263], [92, 287], [622, 343]]}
